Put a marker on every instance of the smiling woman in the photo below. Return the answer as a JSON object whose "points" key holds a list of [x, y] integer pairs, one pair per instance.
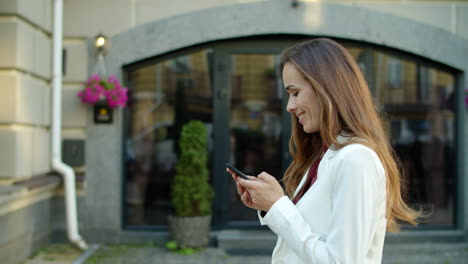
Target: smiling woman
{"points": [[303, 102], [343, 185]]}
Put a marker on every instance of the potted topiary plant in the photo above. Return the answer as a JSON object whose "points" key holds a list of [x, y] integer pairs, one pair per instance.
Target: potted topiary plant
{"points": [[191, 193]]}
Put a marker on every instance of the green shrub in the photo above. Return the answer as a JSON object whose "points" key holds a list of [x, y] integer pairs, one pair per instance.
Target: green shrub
{"points": [[191, 192]]}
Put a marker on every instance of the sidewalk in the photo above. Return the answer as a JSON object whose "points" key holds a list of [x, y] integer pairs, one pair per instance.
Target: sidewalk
{"points": [[426, 253]]}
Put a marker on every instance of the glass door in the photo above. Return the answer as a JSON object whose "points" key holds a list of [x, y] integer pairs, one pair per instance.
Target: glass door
{"points": [[165, 95], [236, 91], [256, 126]]}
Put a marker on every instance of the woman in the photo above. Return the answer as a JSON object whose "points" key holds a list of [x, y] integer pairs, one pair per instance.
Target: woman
{"points": [[343, 185]]}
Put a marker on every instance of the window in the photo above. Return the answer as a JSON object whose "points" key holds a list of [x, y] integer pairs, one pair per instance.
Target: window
{"points": [[417, 100], [394, 76], [165, 95]]}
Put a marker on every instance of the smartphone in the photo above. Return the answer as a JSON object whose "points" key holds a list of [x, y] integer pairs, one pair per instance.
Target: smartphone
{"points": [[238, 172]]}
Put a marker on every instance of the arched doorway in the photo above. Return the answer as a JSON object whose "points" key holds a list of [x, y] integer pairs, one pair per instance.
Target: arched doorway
{"points": [[234, 88], [159, 40]]}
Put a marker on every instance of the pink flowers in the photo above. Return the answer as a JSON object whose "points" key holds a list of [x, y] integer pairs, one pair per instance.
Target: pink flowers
{"points": [[96, 89]]}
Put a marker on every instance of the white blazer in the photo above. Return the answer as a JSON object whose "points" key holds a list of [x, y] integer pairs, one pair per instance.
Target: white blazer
{"points": [[341, 218]]}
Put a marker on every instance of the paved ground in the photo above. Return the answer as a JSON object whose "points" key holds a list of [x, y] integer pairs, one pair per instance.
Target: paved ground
{"points": [[55, 254], [427, 253]]}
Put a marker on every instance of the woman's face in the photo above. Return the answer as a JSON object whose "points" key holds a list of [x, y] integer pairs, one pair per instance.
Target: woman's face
{"points": [[302, 100]]}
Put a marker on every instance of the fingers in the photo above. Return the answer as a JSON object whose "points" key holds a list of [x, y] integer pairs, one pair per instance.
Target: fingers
{"points": [[246, 199], [234, 177], [240, 189], [253, 178], [233, 174], [250, 184], [257, 192], [266, 177]]}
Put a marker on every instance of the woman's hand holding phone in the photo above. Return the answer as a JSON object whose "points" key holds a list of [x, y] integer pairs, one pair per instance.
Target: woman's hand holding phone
{"points": [[243, 193], [260, 192]]}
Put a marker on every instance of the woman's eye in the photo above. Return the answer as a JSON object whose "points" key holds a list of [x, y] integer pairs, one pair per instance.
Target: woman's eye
{"points": [[295, 94]]}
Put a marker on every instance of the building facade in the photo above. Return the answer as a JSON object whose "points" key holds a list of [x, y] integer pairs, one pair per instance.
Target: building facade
{"points": [[216, 61]]}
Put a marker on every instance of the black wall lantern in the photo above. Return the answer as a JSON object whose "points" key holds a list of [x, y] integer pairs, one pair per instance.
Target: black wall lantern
{"points": [[294, 3]]}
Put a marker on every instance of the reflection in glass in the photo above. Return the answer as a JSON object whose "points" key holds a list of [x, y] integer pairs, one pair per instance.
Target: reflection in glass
{"points": [[164, 97], [418, 103], [255, 122], [359, 54]]}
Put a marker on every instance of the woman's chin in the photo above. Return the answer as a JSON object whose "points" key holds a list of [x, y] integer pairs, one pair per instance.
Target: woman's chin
{"points": [[308, 130]]}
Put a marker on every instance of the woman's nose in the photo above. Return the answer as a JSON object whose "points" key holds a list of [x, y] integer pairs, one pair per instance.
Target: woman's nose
{"points": [[291, 106]]}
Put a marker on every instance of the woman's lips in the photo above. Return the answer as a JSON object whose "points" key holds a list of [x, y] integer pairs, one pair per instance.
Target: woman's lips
{"points": [[300, 118]]}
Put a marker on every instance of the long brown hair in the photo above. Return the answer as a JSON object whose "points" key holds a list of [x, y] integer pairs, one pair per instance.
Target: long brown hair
{"points": [[346, 107]]}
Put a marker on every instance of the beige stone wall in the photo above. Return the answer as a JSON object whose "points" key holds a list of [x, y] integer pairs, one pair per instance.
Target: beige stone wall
{"points": [[25, 70], [84, 18], [25, 79]]}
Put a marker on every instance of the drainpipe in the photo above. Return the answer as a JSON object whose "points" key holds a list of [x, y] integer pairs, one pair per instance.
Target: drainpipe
{"points": [[57, 164]]}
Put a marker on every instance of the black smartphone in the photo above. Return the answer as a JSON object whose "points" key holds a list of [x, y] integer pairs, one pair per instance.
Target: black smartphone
{"points": [[238, 172]]}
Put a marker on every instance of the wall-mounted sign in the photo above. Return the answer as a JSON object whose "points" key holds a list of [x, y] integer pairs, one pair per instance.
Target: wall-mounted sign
{"points": [[102, 114]]}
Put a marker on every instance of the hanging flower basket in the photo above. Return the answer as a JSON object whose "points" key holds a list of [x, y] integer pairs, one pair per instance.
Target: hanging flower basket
{"points": [[97, 90]]}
